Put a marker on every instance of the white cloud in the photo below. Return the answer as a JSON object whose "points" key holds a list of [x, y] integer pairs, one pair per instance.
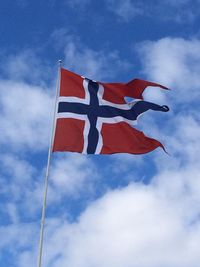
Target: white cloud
{"points": [[185, 137], [130, 223], [26, 101], [174, 62], [155, 95], [18, 234], [26, 112], [12, 212], [20, 169], [16, 175], [72, 175], [21, 189]]}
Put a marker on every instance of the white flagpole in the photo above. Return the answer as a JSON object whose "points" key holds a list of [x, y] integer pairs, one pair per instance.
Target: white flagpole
{"points": [[47, 170]]}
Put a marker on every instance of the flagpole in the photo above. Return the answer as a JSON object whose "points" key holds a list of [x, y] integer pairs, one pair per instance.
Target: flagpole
{"points": [[41, 241]]}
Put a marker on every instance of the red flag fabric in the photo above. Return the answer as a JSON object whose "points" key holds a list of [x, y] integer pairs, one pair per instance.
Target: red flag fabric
{"points": [[94, 118]]}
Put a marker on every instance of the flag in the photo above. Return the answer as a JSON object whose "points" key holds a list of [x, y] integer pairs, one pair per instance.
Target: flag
{"points": [[94, 118]]}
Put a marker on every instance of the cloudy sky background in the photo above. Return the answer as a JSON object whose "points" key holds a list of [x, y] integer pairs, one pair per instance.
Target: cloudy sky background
{"points": [[120, 210]]}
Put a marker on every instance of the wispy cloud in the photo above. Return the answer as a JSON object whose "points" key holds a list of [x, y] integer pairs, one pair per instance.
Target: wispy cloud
{"points": [[94, 64], [180, 11], [88, 62], [125, 9], [19, 235], [77, 3], [25, 66]]}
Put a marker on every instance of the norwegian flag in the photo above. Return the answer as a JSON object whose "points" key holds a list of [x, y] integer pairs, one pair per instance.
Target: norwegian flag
{"points": [[94, 118]]}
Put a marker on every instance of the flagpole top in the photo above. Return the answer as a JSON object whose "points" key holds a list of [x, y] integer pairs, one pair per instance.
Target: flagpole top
{"points": [[60, 62]]}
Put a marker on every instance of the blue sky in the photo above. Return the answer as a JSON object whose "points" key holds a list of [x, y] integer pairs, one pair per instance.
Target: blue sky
{"points": [[119, 210]]}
